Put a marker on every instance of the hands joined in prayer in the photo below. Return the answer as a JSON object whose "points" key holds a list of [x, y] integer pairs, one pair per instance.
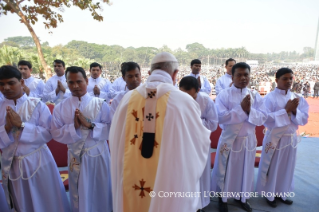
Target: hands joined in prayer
{"points": [[79, 119], [96, 90], [291, 106], [60, 87], [12, 119], [245, 104], [25, 88]]}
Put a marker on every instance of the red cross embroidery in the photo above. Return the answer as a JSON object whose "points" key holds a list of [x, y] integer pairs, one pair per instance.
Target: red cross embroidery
{"points": [[269, 146], [223, 148], [141, 187]]}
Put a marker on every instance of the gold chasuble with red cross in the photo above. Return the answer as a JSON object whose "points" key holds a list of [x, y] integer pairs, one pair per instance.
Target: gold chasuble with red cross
{"points": [[142, 148]]}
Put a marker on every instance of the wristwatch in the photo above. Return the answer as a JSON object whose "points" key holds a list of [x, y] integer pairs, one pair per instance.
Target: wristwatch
{"points": [[92, 126]]}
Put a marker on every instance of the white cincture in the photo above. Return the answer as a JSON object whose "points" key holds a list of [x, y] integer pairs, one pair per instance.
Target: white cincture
{"points": [[20, 158], [86, 150]]}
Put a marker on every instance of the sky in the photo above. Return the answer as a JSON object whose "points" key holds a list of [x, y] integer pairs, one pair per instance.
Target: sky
{"points": [[260, 26]]}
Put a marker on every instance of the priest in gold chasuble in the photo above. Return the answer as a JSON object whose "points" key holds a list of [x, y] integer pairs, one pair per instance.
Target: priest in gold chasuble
{"points": [[158, 144]]}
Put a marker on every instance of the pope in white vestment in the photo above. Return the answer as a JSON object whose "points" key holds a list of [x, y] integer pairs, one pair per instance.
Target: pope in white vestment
{"points": [[33, 177], [234, 163], [89, 156], [158, 145]]}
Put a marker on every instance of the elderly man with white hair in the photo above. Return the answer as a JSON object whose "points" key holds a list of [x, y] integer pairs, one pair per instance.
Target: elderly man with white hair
{"points": [[159, 149]]}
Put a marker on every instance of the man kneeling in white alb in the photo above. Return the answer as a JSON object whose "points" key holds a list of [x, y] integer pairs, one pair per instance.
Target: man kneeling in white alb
{"points": [[286, 111], [82, 122], [31, 180]]}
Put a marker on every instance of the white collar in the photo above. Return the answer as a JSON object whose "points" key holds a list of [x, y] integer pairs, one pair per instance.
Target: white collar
{"points": [[160, 76]]}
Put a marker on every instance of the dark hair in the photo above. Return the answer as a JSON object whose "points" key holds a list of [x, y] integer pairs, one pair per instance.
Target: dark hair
{"points": [[24, 63], [196, 61], [8, 72], [229, 60], [75, 69], [283, 71], [95, 64], [59, 61], [188, 83], [129, 66], [239, 65]]}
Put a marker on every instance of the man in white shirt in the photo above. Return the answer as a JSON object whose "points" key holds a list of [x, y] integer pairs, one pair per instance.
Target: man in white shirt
{"points": [[196, 66], [98, 86], [82, 122], [226, 80], [31, 180], [131, 74], [33, 87], [55, 89]]}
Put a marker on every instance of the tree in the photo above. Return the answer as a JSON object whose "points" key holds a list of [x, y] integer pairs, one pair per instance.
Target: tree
{"points": [[21, 40], [10, 55], [50, 10]]}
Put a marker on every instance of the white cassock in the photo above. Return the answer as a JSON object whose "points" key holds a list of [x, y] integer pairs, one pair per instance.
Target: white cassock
{"points": [[205, 83], [223, 82], [179, 153], [118, 85], [278, 157], [34, 179], [3, 203], [103, 84], [116, 101], [36, 87], [210, 121], [49, 93], [93, 190], [234, 163]]}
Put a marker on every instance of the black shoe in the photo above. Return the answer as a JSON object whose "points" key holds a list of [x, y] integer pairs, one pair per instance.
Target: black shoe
{"points": [[272, 203], [246, 206], [287, 201], [223, 207]]}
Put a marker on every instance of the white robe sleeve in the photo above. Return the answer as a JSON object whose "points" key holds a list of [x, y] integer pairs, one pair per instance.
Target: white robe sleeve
{"points": [[301, 117], [258, 112], [210, 118], [38, 92], [218, 86], [101, 129], [5, 140], [62, 132], [277, 118], [49, 92], [40, 132], [206, 87], [229, 116], [115, 102]]}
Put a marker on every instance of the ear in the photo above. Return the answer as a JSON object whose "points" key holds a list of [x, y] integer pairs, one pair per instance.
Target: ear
{"points": [[87, 80], [276, 80], [149, 72]]}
